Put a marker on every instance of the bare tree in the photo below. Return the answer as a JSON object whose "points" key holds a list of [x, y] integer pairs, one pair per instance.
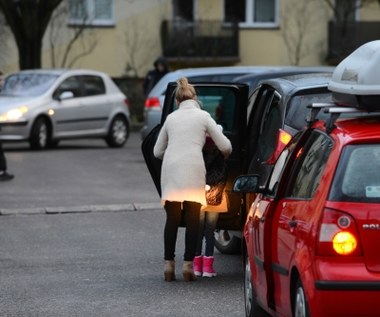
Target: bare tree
{"points": [[300, 20], [28, 20], [346, 9], [345, 32], [4, 34], [78, 34]]}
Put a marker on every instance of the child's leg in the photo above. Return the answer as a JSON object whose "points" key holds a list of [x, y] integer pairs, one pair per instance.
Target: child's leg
{"points": [[211, 219], [208, 260]]}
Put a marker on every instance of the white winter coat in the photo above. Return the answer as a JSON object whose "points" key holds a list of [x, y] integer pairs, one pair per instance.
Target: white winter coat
{"points": [[179, 145]]}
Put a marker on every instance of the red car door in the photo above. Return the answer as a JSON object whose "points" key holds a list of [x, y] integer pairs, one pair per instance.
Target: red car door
{"points": [[261, 228], [295, 216], [256, 222]]}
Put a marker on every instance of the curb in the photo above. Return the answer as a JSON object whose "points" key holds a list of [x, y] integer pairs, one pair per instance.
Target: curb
{"points": [[80, 209]]}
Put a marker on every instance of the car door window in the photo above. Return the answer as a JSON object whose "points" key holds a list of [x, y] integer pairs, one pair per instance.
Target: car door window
{"points": [[280, 165], [271, 123], [255, 110], [71, 84], [93, 85], [220, 103], [308, 171]]}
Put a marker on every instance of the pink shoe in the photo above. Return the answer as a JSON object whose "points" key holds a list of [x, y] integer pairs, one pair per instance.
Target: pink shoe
{"points": [[198, 263], [208, 270]]}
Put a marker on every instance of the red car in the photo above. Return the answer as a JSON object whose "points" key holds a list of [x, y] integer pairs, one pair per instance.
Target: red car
{"points": [[312, 235]]}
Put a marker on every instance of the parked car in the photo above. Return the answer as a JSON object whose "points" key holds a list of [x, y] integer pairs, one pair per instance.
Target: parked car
{"points": [[43, 107], [311, 234], [155, 99], [228, 105], [276, 111]]}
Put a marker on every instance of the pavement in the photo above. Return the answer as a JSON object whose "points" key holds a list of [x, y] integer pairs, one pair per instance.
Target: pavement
{"points": [[81, 209]]}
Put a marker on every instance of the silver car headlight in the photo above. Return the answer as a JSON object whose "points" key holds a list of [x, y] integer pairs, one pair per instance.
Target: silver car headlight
{"points": [[13, 114]]}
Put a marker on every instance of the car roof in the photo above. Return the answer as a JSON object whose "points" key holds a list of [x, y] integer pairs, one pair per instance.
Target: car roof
{"points": [[58, 71], [160, 87], [253, 79], [220, 70], [293, 83]]}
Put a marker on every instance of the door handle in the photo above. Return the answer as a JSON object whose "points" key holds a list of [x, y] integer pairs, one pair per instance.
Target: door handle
{"points": [[292, 223]]}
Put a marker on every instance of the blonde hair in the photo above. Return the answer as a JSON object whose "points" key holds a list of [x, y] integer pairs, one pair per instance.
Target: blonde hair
{"points": [[184, 90]]}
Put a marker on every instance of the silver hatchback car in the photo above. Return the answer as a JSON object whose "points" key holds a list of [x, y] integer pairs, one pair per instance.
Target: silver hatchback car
{"points": [[44, 106]]}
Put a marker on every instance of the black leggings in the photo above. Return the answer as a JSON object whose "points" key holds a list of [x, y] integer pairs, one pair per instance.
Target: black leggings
{"points": [[174, 212]]}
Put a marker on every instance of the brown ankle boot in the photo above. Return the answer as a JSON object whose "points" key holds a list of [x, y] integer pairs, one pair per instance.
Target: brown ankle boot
{"points": [[169, 271], [188, 271]]}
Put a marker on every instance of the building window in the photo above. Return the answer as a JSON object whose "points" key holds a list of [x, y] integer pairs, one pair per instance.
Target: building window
{"points": [[92, 12], [183, 10], [252, 13]]}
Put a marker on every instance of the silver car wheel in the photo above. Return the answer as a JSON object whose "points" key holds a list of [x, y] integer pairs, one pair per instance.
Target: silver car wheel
{"points": [[39, 134], [248, 294], [300, 304], [43, 135], [118, 132], [226, 242]]}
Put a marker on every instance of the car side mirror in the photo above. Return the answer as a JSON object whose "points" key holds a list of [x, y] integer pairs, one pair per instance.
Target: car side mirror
{"points": [[246, 184], [66, 95]]}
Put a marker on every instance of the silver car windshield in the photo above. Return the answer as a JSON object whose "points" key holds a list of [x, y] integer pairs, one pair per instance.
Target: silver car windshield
{"points": [[27, 84]]}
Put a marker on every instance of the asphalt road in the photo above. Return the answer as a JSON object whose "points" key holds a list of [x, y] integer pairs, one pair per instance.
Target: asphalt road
{"points": [[81, 235], [78, 174]]}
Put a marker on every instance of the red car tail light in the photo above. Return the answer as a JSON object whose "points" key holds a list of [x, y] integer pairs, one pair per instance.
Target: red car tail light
{"points": [[283, 138], [153, 102], [126, 102], [338, 235]]}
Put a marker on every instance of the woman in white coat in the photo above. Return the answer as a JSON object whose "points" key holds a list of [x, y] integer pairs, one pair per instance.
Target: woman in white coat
{"points": [[183, 175]]}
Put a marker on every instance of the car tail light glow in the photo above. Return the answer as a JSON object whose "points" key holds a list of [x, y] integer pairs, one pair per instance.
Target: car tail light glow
{"points": [[153, 102], [283, 138], [126, 102], [344, 243], [338, 235]]}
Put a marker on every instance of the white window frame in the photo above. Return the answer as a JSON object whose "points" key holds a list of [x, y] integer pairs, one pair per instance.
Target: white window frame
{"points": [[249, 14], [91, 20]]}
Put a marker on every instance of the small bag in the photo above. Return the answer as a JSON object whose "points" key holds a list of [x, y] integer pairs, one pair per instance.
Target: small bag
{"points": [[216, 174]]}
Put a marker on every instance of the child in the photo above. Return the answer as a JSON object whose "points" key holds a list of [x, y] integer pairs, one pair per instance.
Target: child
{"points": [[215, 182]]}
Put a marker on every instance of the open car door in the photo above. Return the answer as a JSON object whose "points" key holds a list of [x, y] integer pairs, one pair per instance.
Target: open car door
{"points": [[227, 104]]}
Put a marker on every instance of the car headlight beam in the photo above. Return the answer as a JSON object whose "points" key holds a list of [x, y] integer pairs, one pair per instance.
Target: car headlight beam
{"points": [[13, 114]]}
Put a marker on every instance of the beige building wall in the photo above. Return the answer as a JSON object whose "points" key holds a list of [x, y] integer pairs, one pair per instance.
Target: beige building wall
{"points": [[370, 12], [209, 9], [128, 48], [132, 45], [302, 24]]}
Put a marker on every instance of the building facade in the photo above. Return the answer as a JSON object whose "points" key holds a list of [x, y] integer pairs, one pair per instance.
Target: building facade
{"points": [[124, 37]]}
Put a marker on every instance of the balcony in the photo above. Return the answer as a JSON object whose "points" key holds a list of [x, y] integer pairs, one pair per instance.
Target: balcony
{"points": [[200, 42], [344, 39]]}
